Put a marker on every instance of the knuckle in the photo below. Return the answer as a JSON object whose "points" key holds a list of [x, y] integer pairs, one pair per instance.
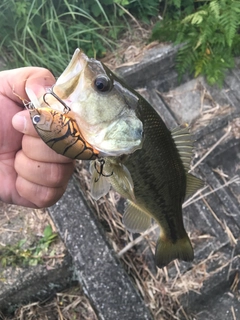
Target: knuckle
{"points": [[57, 174], [60, 173], [48, 196], [39, 195]]}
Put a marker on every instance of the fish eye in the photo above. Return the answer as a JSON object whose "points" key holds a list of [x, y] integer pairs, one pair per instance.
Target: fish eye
{"points": [[102, 83], [36, 119]]}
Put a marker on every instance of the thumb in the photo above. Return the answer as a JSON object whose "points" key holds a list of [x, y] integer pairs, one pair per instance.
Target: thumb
{"points": [[22, 122]]}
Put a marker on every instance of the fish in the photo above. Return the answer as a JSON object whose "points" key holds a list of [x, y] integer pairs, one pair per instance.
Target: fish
{"points": [[138, 155]]}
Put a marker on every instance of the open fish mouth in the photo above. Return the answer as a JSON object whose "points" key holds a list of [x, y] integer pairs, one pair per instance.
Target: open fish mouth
{"points": [[58, 97], [62, 94], [71, 75], [103, 109]]}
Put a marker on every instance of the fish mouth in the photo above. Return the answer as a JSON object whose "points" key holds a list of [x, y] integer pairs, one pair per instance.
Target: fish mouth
{"points": [[67, 87], [69, 79]]}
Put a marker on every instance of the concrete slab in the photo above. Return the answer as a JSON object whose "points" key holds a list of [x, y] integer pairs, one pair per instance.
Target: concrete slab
{"points": [[100, 273]]}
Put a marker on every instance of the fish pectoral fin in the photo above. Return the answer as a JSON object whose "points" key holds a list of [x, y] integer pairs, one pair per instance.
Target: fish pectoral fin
{"points": [[193, 184], [135, 219], [167, 251], [122, 182], [99, 185]]}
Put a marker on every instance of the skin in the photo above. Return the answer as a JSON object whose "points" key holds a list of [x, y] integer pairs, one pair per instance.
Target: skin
{"points": [[31, 174]]}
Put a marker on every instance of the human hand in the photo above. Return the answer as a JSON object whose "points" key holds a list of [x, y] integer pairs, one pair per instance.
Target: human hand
{"points": [[31, 174]]}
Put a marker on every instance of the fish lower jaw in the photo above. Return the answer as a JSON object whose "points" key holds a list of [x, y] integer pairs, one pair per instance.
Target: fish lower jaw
{"points": [[114, 148]]}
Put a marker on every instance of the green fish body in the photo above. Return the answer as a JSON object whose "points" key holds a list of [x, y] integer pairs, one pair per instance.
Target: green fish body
{"points": [[160, 183], [160, 186]]}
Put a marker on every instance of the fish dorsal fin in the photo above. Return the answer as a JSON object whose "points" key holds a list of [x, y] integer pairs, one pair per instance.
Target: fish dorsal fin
{"points": [[122, 182], [184, 144], [193, 184], [135, 219], [99, 185]]}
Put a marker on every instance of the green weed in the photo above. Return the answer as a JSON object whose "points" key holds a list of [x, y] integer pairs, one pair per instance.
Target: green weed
{"points": [[46, 33], [16, 255]]}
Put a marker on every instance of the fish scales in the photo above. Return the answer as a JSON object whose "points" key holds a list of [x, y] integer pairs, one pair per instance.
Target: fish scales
{"points": [[158, 174]]}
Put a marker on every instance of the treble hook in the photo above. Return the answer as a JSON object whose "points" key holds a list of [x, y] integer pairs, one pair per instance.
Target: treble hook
{"points": [[66, 108], [102, 163]]}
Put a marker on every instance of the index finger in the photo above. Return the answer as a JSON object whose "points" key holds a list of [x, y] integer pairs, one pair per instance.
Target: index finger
{"points": [[13, 82]]}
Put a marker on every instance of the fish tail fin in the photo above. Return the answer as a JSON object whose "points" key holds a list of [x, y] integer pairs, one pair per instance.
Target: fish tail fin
{"points": [[166, 250]]}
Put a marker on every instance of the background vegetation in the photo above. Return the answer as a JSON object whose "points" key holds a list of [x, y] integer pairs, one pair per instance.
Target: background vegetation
{"points": [[209, 31], [46, 33]]}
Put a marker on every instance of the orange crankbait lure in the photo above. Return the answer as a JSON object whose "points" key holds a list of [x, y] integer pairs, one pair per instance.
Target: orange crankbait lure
{"points": [[61, 133], [59, 130]]}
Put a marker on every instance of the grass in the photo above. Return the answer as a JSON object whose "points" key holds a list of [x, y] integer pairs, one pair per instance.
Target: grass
{"points": [[71, 304], [45, 34]]}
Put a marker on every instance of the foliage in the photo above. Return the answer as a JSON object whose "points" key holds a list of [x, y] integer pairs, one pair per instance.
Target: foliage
{"points": [[16, 254], [45, 33], [142, 10], [175, 9], [210, 38]]}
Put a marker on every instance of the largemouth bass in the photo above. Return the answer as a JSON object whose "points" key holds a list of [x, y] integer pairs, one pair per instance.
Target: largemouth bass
{"points": [[145, 162]]}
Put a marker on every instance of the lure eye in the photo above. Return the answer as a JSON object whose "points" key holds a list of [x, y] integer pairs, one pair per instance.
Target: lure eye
{"points": [[102, 83], [36, 119]]}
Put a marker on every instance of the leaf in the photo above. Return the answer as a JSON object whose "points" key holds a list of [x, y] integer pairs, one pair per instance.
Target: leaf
{"points": [[214, 7], [33, 262], [4, 262], [195, 18], [21, 243], [47, 233]]}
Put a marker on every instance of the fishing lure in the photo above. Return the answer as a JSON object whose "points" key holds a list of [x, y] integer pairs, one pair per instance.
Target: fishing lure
{"points": [[61, 133], [59, 130]]}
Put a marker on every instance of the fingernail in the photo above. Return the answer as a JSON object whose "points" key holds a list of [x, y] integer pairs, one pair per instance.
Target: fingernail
{"points": [[19, 122], [37, 89]]}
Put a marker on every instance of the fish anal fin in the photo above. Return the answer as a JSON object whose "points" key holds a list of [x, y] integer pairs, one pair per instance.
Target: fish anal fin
{"points": [[193, 184], [135, 219], [167, 251]]}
